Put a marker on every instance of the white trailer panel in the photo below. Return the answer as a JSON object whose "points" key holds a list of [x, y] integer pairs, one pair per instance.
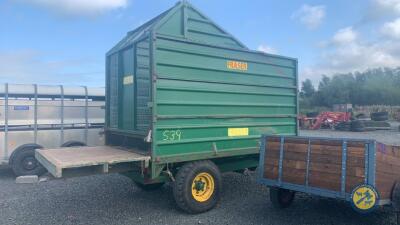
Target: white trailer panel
{"points": [[49, 117]]}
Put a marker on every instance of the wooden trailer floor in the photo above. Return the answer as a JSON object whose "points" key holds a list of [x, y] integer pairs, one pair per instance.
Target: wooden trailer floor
{"points": [[78, 161]]}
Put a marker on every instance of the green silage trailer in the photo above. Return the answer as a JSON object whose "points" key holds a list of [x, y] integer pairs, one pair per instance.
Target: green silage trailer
{"points": [[185, 101]]}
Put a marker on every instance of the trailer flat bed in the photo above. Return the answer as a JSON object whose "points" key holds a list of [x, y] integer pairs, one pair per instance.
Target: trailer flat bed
{"points": [[76, 161]]}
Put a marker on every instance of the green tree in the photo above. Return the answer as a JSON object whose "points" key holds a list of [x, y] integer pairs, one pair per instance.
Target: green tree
{"points": [[307, 89], [372, 87]]}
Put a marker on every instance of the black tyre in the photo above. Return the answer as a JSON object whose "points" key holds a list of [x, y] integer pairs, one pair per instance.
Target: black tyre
{"points": [[149, 187], [73, 144], [281, 198], [380, 116], [361, 116], [358, 126], [23, 161], [197, 186], [343, 126], [312, 114], [395, 198]]}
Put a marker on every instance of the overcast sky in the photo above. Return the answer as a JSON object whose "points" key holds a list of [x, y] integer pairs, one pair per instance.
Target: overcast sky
{"points": [[65, 41]]}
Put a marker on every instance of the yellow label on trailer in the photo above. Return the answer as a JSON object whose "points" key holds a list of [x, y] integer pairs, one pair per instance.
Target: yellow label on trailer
{"points": [[236, 65], [128, 80], [233, 132]]}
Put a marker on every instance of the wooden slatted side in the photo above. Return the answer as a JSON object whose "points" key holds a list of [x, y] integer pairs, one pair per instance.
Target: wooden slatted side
{"points": [[325, 168], [355, 167], [387, 169], [271, 162]]}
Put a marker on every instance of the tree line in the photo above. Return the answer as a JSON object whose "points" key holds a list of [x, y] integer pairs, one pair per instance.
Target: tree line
{"points": [[379, 86]]}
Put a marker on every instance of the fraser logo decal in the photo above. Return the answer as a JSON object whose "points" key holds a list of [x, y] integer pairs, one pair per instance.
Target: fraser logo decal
{"points": [[236, 65]]}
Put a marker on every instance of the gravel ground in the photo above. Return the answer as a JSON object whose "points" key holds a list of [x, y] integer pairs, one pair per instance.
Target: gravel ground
{"points": [[114, 199], [391, 137]]}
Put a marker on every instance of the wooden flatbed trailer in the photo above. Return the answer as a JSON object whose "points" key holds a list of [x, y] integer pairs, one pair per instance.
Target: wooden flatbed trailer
{"points": [[362, 172]]}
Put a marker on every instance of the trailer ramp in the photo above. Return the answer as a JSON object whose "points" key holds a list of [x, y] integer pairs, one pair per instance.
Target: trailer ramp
{"points": [[83, 161]]}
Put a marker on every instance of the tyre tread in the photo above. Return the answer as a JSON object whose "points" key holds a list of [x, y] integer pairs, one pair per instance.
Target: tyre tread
{"points": [[182, 198], [16, 157], [274, 196]]}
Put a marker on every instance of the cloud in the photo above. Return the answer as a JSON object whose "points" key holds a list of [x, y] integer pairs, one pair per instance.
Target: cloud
{"points": [[370, 43], [392, 29], [267, 49], [347, 52], [311, 16], [345, 36], [379, 9], [392, 6], [79, 7], [29, 66]]}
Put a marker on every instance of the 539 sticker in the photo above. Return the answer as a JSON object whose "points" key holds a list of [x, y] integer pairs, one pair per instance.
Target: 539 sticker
{"points": [[172, 135]]}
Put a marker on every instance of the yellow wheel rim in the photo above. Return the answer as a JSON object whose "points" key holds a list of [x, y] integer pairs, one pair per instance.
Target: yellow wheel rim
{"points": [[202, 187]]}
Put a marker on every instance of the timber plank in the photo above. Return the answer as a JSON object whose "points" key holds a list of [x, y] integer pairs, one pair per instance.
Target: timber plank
{"points": [[288, 175], [325, 176], [288, 164], [318, 142], [388, 150], [387, 159], [320, 149], [387, 176], [324, 183], [337, 169], [319, 167], [271, 172], [352, 182], [294, 179], [385, 168], [294, 172], [328, 159]]}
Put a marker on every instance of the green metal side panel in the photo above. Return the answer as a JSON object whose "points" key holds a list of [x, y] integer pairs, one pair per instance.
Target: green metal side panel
{"points": [[143, 84], [173, 26], [184, 21], [203, 29], [204, 107]]}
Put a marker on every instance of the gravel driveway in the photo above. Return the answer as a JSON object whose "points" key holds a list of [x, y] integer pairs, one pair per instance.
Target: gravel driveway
{"points": [[114, 199], [391, 137]]}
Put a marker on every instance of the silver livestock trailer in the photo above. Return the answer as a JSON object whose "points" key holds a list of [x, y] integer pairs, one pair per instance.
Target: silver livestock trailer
{"points": [[41, 116]]}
